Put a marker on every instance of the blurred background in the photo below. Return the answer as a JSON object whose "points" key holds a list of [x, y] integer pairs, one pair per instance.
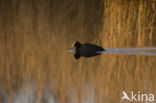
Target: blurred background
{"points": [[35, 66]]}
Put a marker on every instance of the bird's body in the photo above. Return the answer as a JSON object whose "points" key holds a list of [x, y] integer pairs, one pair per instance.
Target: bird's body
{"points": [[86, 50]]}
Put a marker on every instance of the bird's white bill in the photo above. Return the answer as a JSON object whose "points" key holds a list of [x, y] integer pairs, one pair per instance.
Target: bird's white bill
{"points": [[73, 44]]}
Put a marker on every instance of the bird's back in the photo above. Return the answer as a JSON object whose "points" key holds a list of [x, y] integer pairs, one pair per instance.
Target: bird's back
{"points": [[88, 50]]}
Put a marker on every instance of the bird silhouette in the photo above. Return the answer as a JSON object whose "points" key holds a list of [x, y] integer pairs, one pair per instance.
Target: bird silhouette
{"points": [[125, 96], [86, 50]]}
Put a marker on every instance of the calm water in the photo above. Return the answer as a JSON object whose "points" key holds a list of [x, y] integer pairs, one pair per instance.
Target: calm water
{"points": [[35, 66]]}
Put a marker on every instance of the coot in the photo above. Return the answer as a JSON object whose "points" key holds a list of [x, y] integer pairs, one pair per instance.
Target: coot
{"points": [[86, 50]]}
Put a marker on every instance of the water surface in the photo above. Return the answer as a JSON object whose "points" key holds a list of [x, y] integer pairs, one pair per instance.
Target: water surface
{"points": [[35, 66]]}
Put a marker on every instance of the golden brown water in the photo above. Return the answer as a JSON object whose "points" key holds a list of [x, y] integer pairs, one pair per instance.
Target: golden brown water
{"points": [[35, 66]]}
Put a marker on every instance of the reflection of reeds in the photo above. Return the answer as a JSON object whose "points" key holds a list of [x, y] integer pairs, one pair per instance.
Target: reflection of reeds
{"points": [[33, 35], [130, 18], [128, 24]]}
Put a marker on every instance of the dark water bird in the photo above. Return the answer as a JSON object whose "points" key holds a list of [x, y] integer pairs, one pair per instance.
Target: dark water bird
{"points": [[86, 50], [89, 50]]}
